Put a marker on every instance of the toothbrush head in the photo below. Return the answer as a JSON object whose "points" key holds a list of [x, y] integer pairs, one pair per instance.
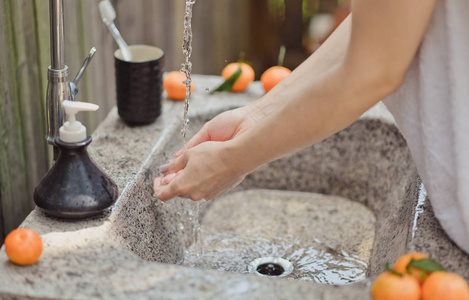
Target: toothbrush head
{"points": [[108, 14]]}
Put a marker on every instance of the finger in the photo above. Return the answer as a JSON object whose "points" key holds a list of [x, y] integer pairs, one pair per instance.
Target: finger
{"points": [[156, 184], [168, 178], [164, 169], [167, 192], [177, 164], [202, 136]]}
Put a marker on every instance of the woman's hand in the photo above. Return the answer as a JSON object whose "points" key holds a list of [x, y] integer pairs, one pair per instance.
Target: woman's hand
{"points": [[223, 127], [202, 162], [204, 171]]}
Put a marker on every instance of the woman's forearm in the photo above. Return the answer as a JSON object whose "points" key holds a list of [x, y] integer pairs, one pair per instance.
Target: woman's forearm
{"points": [[322, 97], [329, 55], [314, 111]]}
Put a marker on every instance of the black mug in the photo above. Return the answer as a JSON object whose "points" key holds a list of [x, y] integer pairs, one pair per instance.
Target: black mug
{"points": [[139, 84]]}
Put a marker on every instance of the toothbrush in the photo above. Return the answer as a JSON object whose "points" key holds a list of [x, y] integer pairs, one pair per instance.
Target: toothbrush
{"points": [[108, 14]]}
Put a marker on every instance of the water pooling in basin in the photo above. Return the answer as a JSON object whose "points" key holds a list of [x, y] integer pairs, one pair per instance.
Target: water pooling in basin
{"points": [[327, 238]]}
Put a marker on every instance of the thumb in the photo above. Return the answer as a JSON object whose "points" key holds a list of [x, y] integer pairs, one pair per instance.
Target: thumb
{"points": [[200, 137]]}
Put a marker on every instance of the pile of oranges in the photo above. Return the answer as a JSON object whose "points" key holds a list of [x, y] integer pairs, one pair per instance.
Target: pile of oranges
{"points": [[270, 78], [237, 75], [176, 89], [429, 281]]}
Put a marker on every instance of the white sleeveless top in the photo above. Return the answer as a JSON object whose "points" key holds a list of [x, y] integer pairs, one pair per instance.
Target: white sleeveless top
{"points": [[431, 110]]}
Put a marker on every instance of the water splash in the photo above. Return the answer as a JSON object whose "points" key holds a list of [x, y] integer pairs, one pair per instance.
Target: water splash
{"points": [[317, 262], [186, 68], [189, 213], [422, 194]]}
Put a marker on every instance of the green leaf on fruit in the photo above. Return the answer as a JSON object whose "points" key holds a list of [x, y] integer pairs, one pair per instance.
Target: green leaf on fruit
{"points": [[388, 268], [228, 84], [426, 264]]}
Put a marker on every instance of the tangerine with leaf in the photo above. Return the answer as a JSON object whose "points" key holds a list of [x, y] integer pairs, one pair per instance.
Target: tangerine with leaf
{"points": [[394, 286], [273, 75], [403, 265], [243, 79]]}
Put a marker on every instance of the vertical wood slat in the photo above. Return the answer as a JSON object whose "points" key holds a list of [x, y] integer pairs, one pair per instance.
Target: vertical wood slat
{"points": [[21, 154], [99, 78], [4, 87], [32, 95], [41, 21]]}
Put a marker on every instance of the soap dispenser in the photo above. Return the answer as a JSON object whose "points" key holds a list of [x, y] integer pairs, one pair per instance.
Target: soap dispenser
{"points": [[75, 187]]}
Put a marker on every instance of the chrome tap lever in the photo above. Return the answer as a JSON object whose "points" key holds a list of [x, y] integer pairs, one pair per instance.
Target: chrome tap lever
{"points": [[74, 84]]}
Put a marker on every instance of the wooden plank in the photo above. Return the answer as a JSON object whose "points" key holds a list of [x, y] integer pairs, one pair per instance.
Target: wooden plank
{"points": [[264, 38], [42, 36], [32, 92], [73, 52], [129, 20], [155, 15], [100, 74], [4, 178], [204, 38], [86, 90], [178, 34], [2, 233], [13, 166]]}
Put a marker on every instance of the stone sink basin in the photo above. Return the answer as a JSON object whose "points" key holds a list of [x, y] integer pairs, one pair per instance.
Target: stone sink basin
{"points": [[337, 211]]}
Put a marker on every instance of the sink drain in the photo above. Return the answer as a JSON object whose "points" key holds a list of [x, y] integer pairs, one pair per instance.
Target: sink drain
{"points": [[270, 266]]}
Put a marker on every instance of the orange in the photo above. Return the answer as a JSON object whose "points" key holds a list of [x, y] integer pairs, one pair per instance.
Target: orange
{"points": [[174, 86], [442, 285], [401, 266], [272, 76], [23, 246], [246, 77], [389, 286]]}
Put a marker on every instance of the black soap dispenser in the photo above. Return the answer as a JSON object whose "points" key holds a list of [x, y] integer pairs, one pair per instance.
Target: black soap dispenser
{"points": [[75, 187]]}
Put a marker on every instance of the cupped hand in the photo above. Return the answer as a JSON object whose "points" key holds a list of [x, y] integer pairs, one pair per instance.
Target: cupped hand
{"points": [[223, 127], [204, 171]]}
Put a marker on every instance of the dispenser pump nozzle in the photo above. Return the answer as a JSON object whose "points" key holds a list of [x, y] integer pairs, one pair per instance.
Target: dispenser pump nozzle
{"points": [[73, 131]]}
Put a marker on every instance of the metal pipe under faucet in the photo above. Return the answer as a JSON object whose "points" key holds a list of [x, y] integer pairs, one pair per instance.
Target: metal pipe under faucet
{"points": [[57, 42], [59, 87]]}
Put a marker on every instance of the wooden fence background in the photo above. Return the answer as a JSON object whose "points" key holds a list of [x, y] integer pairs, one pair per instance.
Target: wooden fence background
{"points": [[221, 28]]}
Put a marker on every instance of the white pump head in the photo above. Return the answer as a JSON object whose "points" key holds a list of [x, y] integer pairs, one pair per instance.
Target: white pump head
{"points": [[73, 131]]}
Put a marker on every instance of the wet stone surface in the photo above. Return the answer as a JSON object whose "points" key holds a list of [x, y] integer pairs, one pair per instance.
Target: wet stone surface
{"points": [[327, 238]]}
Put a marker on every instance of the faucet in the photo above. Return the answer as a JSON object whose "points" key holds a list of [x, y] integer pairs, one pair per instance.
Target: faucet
{"points": [[59, 87]]}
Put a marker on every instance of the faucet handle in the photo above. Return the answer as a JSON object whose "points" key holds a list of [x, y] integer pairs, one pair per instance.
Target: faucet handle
{"points": [[74, 84]]}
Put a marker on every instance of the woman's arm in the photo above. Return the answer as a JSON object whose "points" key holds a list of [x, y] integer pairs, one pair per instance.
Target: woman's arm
{"points": [[385, 36], [364, 60]]}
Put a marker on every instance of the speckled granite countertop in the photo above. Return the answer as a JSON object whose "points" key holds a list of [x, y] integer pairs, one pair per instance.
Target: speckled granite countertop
{"points": [[85, 259]]}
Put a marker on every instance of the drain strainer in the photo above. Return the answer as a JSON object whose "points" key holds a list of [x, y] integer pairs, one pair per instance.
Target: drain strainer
{"points": [[270, 266]]}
